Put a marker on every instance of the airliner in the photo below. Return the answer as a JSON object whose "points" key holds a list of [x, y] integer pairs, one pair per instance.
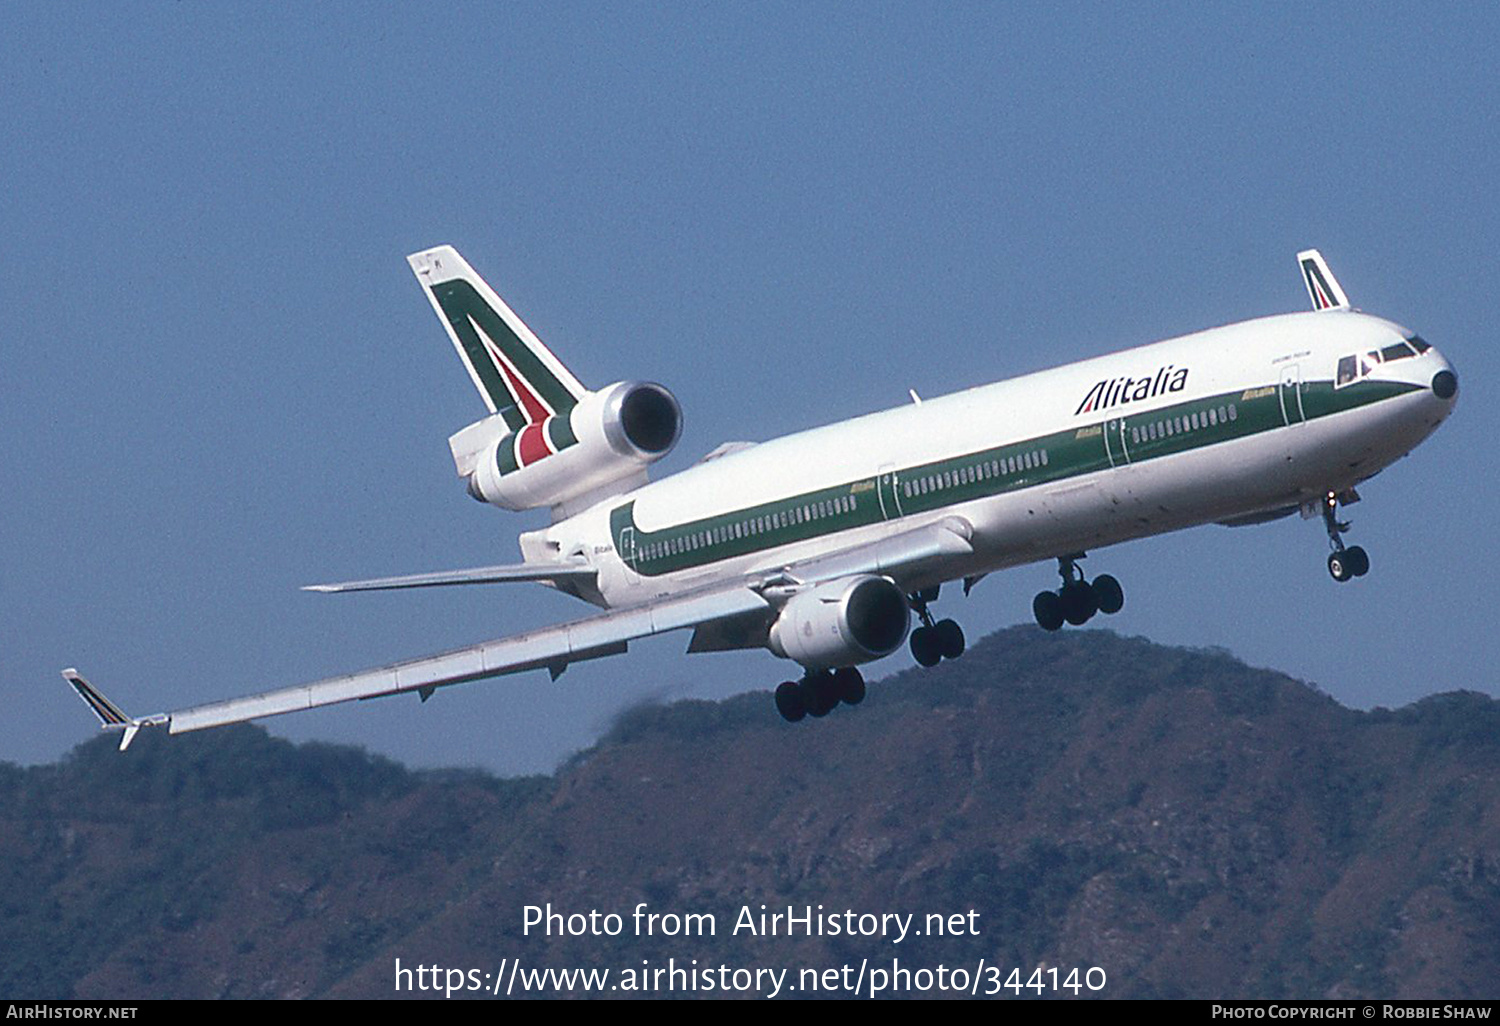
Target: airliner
{"points": [[821, 546]]}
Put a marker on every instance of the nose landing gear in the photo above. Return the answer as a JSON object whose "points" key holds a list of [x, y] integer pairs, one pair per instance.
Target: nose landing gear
{"points": [[1077, 600], [1344, 564]]}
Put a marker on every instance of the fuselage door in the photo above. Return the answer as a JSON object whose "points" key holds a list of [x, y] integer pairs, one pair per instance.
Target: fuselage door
{"points": [[886, 486], [1114, 443], [627, 548], [1291, 395]]}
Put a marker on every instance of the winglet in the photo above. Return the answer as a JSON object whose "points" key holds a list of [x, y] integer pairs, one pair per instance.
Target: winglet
{"points": [[1322, 287], [110, 716]]}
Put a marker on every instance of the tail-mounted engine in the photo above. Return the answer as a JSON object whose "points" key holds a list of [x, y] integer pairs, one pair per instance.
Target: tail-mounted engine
{"points": [[842, 623], [605, 442]]}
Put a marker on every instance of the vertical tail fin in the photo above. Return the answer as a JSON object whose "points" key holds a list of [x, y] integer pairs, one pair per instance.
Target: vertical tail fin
{"points": [[1322, 287], [517, 376]]}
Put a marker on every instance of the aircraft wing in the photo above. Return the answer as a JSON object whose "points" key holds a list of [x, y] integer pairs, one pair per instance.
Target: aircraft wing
{"points": [[550, 647], [753, 599], [546, 572], [899, 556]]}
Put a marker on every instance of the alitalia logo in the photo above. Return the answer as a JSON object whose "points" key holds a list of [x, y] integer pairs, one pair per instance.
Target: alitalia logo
{"points": [[1115, 391]]}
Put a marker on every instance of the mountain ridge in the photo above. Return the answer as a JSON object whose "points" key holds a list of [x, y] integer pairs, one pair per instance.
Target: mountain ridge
{"points": [[1192, 825]]}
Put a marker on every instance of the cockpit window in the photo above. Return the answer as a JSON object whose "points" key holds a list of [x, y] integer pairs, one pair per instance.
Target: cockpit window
{"points": [[1353, 368], [1361, 365]]}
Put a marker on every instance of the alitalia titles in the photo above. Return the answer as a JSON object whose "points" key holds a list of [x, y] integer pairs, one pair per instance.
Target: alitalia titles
{"points": [[1114, 391]]}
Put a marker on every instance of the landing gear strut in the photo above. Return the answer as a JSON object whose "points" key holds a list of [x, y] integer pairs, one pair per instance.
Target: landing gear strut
{"points": [[934, 641], [1077, 600], [819, 692], [1343, 563]]}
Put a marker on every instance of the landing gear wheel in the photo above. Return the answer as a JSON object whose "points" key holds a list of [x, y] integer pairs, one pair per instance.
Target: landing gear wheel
{"points": [[950, 638], [1340, 567], [820, 693], [1110, 595], [1343, 563], [924, 647], [1079, 603], [1048, 610], [850, 685], [789, 701]]}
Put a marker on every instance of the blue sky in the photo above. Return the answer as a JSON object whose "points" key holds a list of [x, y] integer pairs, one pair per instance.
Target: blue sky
{"points": [[222, 381]]}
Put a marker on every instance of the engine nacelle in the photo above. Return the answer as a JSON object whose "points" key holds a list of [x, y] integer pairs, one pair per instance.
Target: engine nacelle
{"points": [[841, 623], [609, 437]]}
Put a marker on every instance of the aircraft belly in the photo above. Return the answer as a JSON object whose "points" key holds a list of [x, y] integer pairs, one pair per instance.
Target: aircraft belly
{"points": [[1346, 448]]}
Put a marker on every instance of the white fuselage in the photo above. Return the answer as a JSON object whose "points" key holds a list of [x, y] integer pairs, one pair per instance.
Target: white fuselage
{"points": [[1220, 424]]}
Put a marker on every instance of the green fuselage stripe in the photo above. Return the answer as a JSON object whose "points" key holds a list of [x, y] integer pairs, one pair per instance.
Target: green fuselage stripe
{"points": [[1113, 441]]}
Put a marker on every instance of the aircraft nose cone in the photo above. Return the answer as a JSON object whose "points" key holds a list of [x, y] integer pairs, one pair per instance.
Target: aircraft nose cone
{"points": [[1445, 384]]}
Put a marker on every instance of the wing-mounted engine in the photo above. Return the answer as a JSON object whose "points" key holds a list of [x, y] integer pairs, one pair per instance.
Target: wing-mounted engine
{"points": [[844, 622], [601, 446]]}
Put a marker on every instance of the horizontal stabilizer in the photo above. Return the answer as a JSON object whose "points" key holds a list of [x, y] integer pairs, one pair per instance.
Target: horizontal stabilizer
{"points": [[544, 572]]}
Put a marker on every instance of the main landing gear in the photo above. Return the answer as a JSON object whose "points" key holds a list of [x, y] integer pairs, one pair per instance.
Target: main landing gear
{"points": [[933, 642], [1343, 563], [1077, 600], [819, 693]]}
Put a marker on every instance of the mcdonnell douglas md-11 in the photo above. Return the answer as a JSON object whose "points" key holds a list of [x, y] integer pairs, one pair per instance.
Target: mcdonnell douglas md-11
{"points": [[821, 545]]}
